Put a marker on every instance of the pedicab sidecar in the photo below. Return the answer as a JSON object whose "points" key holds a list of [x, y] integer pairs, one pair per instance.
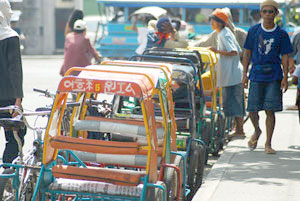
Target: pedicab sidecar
{"points": [[131, 169]]}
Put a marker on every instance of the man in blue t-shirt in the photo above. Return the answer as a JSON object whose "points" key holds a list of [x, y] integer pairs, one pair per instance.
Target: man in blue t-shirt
{"points": [[268, 46]]}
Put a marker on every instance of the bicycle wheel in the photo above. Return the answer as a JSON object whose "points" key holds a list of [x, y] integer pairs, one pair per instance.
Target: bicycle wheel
{"points": [[29, 183], [206, 137], [7, 191], [196, 163], [171, 180]]}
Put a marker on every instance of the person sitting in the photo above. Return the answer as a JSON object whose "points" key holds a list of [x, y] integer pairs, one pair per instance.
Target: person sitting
{"points": [[165, 36], [142, 32]]}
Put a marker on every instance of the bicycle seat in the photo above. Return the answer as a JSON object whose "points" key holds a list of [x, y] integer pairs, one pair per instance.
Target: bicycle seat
{"points": [[15, 123]]}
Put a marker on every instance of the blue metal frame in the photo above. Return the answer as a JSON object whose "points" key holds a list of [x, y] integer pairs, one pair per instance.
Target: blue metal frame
{"points": [[55, 193]]}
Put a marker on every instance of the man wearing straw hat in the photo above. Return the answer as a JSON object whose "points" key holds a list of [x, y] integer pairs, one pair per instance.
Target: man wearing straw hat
{"points": [[267, 46]]}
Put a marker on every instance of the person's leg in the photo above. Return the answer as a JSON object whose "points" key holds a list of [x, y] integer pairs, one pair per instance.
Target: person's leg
{"points": [[270, 124], [11, 147], [254, 105], [254, 117], [239, 125], [272, 104], [11, 150], [235, 101]]}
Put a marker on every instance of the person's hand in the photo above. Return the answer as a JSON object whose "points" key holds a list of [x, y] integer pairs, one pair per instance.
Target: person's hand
{"points": [[292, 69], [168, 28], [213, 49], [134, 18], [245, 81], [18, 103], [284, 84]]}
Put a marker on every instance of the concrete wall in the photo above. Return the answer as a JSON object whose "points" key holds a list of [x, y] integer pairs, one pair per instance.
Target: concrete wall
{"points": [[38, 24], [31, 24]]}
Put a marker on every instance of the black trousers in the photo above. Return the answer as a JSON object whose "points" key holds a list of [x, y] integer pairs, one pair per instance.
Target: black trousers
{"points": [[11, 147]]}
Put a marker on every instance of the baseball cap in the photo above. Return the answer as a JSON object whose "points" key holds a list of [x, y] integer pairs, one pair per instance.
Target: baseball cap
{"points": [[79, 25], [220, 16], [269, 3], [160, 22]]}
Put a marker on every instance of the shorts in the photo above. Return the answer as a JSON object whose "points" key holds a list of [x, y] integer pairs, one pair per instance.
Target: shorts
{"points": [[265, 96], [233, 101]]}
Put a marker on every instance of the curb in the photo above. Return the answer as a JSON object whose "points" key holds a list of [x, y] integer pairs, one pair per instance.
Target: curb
{"points": [[214, 177]]}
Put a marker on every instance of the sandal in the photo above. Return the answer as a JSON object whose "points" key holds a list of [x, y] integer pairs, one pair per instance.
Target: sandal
{"points": [[235, 135], [252, 144], [269, 150]]}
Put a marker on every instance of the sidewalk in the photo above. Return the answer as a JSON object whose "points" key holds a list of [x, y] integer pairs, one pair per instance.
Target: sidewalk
{"points": [[244, 175]]}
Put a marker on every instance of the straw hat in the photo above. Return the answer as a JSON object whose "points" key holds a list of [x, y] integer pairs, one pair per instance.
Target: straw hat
{"points": [[269, 3]]}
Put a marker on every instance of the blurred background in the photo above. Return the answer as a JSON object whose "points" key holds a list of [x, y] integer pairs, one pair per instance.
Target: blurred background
{"points": [[43, 22]]}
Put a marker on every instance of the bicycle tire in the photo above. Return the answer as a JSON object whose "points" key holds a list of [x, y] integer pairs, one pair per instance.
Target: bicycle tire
{"points": [[197, 161]]}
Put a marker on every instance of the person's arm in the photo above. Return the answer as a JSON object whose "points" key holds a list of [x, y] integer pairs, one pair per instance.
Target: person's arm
{"points": [[92, 50], [207, 41], [246, 62], [176, 42], [134, 20], [15, 71], [224, 53], [285, 63]]}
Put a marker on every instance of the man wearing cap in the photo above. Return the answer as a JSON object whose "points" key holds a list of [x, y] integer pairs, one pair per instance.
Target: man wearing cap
{"points": [[165, 36], [78, 49], [229, 70], [267, 47]]}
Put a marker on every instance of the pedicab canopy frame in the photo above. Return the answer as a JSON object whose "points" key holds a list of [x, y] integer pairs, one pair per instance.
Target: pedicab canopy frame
{"points": [[95, 79]]}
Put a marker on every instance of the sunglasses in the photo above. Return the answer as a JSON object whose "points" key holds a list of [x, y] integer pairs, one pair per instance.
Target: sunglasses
{"points": [[268, 11]]}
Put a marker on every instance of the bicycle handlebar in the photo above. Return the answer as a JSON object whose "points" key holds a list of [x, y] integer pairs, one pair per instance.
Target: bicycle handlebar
{"points": [[45, 92], [21, 115], [97, 102]]}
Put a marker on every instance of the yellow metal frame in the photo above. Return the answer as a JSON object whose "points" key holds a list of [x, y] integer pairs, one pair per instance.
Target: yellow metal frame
{"points": [[210, 59]]}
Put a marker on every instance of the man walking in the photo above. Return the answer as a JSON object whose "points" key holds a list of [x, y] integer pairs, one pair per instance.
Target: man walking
{"points": [[264, 45]]}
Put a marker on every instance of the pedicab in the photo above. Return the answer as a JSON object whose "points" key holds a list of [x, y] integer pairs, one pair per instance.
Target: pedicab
{"points": [[215, 117], [121, 109], [146, 150], [185, 118]]}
